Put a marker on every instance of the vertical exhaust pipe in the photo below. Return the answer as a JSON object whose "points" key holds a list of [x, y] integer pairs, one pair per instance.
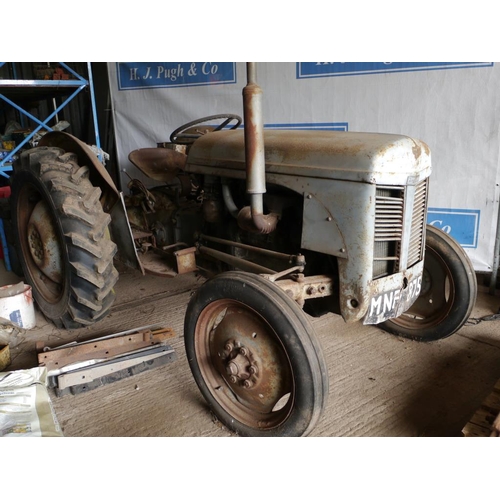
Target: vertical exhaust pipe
{"points": [[252, 218]]}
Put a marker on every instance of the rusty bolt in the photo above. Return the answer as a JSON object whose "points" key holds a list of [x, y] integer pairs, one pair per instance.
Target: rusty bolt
{"points": [[247, 384], [243, 351], [228, 347], [311, 290], [233, 379], [232, 369], [252, 369]]}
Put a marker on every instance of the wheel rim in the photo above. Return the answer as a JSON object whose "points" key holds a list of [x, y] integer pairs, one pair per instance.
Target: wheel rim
{"points": [[436, 298], [40, 244], [244, 364]]}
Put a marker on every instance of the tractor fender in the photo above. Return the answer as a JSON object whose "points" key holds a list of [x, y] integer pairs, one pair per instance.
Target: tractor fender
{"points": [[98, 175]]}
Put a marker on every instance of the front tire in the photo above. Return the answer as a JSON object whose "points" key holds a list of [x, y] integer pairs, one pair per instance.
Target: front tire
{"points": [[62, 238], [449, 291], [254, 357]]}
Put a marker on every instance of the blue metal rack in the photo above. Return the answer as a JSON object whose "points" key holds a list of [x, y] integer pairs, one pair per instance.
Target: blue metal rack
{"points": [[78, 84]]}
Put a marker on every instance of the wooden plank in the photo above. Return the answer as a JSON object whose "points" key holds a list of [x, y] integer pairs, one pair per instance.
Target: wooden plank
{"points": [[484, 416], [486, 420], [102, 348], [474, 430]]}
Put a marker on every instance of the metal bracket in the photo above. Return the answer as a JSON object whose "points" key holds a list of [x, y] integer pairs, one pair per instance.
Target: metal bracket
{"points": [[88, 374], [105, 373], [276, 276], [301, 288]]}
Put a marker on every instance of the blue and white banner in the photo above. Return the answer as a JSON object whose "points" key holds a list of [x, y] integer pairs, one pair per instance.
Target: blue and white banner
{"points": [[139, 75], [462, 225], [322, 69]]}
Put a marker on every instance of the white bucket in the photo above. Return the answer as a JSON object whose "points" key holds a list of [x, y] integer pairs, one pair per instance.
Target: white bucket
{"points": [[19, 307]]}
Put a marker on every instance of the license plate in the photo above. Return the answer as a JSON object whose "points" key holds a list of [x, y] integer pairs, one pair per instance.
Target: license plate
{"points": [[393, 303]]}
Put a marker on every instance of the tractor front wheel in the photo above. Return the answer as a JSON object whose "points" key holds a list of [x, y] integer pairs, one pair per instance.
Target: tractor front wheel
{"points": [[254, 356], [449, 291]]}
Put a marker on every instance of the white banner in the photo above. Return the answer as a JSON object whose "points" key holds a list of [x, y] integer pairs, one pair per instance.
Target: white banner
{"points": [[453, 107]]}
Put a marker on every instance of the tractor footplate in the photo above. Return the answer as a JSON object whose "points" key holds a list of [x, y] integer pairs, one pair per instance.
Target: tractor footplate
{"points": [[168, 265]]}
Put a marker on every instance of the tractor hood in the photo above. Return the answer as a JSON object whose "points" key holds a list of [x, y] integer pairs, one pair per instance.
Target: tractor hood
{"points": [[352, 156]]}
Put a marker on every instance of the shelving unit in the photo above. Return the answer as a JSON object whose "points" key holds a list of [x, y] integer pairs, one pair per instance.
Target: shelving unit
{"points": [[45, 89]]}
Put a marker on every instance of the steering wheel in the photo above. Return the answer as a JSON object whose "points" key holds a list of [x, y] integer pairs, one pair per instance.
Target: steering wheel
{"points": [[182, 135]]}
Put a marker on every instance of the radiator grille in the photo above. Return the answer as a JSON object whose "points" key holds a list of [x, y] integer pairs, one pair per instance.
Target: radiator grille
{"points": [[390, 206], [415, 252], [389, 216]]}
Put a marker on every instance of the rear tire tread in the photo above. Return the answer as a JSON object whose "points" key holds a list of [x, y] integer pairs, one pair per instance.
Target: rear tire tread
{"points": [[85, 237]]}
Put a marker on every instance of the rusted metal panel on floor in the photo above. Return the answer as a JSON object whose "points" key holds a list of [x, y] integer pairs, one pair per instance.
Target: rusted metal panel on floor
{"points": [[102, 348]]}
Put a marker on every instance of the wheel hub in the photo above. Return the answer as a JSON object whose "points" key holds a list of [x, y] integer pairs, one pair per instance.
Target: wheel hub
{"points": [[426, 282], [242, 350], [241, 364], [35, 245], [43, 243]]}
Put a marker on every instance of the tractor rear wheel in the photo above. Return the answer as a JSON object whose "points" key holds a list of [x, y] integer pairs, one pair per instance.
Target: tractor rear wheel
{"points": [[62, 238]]}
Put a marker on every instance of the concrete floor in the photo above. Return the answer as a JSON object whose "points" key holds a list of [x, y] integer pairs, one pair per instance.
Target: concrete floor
{"points": [[380, 385]]}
